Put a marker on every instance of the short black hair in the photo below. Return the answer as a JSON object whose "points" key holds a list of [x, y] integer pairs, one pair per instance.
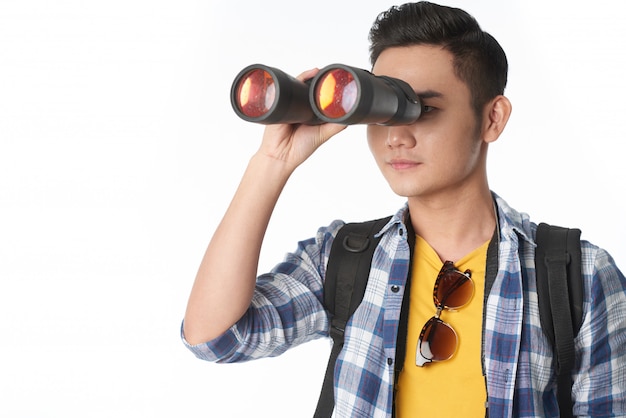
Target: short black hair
{"points": [[479, 60]]}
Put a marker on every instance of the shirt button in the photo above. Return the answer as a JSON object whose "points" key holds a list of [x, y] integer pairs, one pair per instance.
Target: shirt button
{"points": [[395, 288], [390, 361], [401, 231]]}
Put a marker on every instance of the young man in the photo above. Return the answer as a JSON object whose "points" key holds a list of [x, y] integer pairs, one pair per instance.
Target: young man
{"points": [[451, 228]]}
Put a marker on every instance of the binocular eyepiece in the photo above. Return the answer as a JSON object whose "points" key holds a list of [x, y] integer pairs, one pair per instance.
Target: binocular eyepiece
{"points": [[337, 94]]}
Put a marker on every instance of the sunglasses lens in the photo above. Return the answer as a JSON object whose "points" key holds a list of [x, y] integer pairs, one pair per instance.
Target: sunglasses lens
{"points": [[437, 342], [453, 289], [256, 93], [336, 93]]}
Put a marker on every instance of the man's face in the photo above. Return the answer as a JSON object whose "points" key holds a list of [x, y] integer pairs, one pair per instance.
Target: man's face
{"points": [[441, 151]]}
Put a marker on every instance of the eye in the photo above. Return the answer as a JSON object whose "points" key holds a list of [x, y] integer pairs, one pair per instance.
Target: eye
{"points": [[428, 109]]}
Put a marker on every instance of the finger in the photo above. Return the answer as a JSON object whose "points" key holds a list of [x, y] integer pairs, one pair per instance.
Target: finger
{"points": [[329, 130], [308, 74]]}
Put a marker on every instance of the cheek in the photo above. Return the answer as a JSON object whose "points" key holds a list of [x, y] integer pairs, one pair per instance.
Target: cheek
{"points": [[466, 156]]}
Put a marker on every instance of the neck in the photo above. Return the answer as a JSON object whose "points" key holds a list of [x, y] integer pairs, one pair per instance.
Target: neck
{"points": [[455, 225]]}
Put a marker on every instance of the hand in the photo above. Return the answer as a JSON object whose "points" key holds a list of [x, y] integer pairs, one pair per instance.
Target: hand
{"points": [[293, 144]]}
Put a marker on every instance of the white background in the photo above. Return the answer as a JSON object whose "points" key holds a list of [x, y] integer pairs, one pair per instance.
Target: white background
{"points": [[119, 152]]}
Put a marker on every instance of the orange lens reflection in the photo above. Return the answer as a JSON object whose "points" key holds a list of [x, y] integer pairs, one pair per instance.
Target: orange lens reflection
{"points": [[336, 93], [256, 93]]}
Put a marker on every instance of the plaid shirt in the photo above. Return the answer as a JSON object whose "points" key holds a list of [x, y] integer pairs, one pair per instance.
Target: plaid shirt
{"points": [[287, 310]]}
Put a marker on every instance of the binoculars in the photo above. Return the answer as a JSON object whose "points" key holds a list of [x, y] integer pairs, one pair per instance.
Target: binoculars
{"points": [[337, 94]]}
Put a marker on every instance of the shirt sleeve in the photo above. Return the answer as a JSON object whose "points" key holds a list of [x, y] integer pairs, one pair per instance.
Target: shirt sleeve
{"points": [[286, 309], [600, 383]]}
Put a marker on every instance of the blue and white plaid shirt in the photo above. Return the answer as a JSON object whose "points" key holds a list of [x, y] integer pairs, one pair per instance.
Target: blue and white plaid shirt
{"points": [[287, 310]]}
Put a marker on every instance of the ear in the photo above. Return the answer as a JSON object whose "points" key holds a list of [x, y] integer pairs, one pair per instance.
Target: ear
{"points": [[495, 117]]}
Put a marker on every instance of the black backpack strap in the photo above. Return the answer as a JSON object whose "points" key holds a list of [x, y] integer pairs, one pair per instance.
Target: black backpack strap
{"points": [[347, 273], [560, 294]]}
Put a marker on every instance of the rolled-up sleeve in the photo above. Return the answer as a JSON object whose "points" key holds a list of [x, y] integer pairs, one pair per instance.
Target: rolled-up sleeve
{"points": [[286, 309]]}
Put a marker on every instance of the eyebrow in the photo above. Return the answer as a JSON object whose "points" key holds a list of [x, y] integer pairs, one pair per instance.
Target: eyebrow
{"points": [[428, 94]]}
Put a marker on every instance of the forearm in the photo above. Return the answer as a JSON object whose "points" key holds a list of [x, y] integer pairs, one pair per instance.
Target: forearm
{"points": [[225, 281]]}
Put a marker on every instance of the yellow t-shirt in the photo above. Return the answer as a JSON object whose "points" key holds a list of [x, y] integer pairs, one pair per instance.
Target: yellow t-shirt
{"points": [[454, 387]]}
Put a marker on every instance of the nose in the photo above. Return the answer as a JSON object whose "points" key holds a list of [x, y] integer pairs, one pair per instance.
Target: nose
{"points": [[400, 136]]}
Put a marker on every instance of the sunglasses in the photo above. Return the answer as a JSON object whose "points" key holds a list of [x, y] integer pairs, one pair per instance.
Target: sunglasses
{"points": [[438, 340]]}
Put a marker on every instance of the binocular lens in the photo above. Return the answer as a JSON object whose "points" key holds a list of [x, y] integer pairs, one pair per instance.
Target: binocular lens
{"points": [[336, 93], [256, 93]]}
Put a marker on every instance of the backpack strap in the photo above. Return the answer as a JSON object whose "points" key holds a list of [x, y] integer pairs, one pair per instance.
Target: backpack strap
{"points": [[346, 278], [560, 294]]}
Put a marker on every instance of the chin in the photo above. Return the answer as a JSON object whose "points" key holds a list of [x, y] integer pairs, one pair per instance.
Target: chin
{"points": [[405, 190], [404, 185]]}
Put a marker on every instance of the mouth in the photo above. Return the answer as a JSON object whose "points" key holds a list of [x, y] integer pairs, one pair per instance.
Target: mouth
{"points": [[402, 164]]}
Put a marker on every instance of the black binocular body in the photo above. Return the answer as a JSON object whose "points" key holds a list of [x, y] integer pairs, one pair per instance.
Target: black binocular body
{"points": [[337, 94]]}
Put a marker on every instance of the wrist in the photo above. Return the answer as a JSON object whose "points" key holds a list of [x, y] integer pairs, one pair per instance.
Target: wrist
{"points": [[269, 168]]}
